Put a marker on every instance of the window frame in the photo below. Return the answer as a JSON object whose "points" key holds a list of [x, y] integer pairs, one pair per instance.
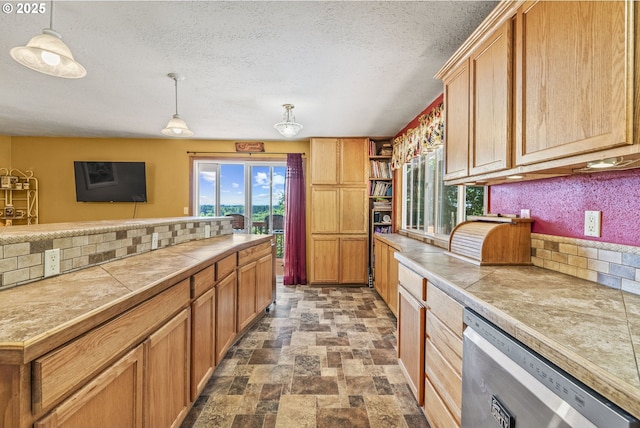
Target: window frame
{"points": [[432, 197]]}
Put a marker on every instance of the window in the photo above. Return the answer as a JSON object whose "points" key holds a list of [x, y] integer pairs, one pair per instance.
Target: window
{"points": [[431, 207], [253, 192]]}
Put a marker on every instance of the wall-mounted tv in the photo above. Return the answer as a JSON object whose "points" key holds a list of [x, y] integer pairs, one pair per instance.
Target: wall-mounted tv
{"points": [[110, 181]]}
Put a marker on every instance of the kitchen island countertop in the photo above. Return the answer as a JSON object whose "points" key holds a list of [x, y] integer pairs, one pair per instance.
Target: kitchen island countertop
{"points": [[39, 316]]}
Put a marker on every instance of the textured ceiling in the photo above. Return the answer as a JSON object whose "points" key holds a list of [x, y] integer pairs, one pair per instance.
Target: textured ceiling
{"points": [[352, 68]]}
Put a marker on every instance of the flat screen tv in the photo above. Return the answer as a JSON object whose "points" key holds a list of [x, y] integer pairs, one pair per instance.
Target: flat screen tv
{"points": [[110, 181]]}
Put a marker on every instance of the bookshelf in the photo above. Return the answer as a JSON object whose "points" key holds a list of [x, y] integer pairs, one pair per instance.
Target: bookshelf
{"points": [[380, 192]]}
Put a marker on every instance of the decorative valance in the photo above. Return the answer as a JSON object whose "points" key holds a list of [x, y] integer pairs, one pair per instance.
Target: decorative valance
{"points": [[427, 136]]}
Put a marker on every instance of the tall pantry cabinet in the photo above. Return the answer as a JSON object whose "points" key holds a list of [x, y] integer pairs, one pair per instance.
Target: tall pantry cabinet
{"points": [[338, 199]]}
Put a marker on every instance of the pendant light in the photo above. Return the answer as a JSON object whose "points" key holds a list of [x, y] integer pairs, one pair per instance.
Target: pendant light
{"points": [[176, 126], [48, 54], [288, 127]]}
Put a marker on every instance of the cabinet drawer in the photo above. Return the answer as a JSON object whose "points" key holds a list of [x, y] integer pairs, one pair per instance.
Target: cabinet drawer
{"points": [[446, 309], [60, 372], [413, 283], [225, 266], [437, 413], [446, 382], [253, 253], [202, 281], [449, 345]]}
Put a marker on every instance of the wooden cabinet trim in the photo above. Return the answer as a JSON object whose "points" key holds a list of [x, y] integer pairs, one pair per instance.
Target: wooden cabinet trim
{"points": [[75, 403], [225, 266], [202, 281], [59, 372], [413, 283], [253, 253]]}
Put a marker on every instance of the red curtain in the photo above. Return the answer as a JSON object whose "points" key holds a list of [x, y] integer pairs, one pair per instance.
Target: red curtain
{"points": [[295, 243]]}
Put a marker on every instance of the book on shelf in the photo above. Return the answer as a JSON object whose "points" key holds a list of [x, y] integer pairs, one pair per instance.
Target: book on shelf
{"points": [[382, 205], [380, 188], [381, 169], [380, 148]]}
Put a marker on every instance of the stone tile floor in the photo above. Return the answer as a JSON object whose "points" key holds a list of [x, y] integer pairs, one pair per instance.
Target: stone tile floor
{"points": [[323, 357]]}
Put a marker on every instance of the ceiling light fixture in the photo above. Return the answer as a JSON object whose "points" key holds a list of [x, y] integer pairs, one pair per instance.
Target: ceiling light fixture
{"points": [[288, 127], [176, 126], [48, 54]]}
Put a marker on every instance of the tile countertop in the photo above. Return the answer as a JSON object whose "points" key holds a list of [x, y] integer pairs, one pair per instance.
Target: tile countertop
{"points": [[39, 316], [589, 330]]}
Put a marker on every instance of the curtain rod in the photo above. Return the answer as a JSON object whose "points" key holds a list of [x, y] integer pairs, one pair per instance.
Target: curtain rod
{"points": [[247, 153]]}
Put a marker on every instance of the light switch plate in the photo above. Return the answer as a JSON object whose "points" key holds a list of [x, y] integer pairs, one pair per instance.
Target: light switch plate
{"points": [[154, 241]]}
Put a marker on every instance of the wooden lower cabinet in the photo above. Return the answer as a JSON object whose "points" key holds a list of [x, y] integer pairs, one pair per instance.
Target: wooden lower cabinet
{"points": [[386, 274], [167, 361], [225, 315], [246, 295], [255, 291], [339, 259], [112, 399], [411, 316], [443, 359], [264, 282], [203, 345]]}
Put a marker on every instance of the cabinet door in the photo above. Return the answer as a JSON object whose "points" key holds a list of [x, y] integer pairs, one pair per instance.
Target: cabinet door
{"points": [[380, 252], [112, 399], [225, 315], [325, 254], [456, 104], [264, 282], [203, 333], [353, 260], [324, 210], [393, 282], [324, 161], [490, 88], [411, 339], [353, 161], [573, 88], [246, 295], [353, 210], [167, 357]]}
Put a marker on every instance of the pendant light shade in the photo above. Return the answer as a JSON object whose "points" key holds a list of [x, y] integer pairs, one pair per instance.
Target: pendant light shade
{"points": [[177, 127], [288, 127], [48, 54]]}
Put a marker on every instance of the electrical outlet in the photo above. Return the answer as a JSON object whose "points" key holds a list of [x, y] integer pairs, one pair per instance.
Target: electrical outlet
{"points": [[52, 262], [185, 210], [592, 223], [207, 231], [525, 213], [154, 241]]}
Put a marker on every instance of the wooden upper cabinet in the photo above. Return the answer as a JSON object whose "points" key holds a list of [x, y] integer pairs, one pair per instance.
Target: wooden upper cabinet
{"points": [[573, 78], [324, 161], [353, 161], [490, 91], [456, 105], [338, 161]]}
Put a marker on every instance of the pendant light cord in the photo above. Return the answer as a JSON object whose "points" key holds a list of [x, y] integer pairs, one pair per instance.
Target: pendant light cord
{"points": [[176, 80], [51, 16]]}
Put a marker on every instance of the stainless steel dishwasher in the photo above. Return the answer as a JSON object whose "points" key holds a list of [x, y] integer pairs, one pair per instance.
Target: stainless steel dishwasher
{"points": [[507, 385]]}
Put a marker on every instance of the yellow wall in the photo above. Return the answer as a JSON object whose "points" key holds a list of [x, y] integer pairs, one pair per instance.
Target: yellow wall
{"points": [[167, 162], [5, 152]]}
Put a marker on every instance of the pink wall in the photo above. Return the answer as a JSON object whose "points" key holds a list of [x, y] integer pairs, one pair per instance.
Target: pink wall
{"points": [[558, 204]]}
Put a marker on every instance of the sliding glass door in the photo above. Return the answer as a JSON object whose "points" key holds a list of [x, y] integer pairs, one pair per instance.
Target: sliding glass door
{"points": [[251, 192]]}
